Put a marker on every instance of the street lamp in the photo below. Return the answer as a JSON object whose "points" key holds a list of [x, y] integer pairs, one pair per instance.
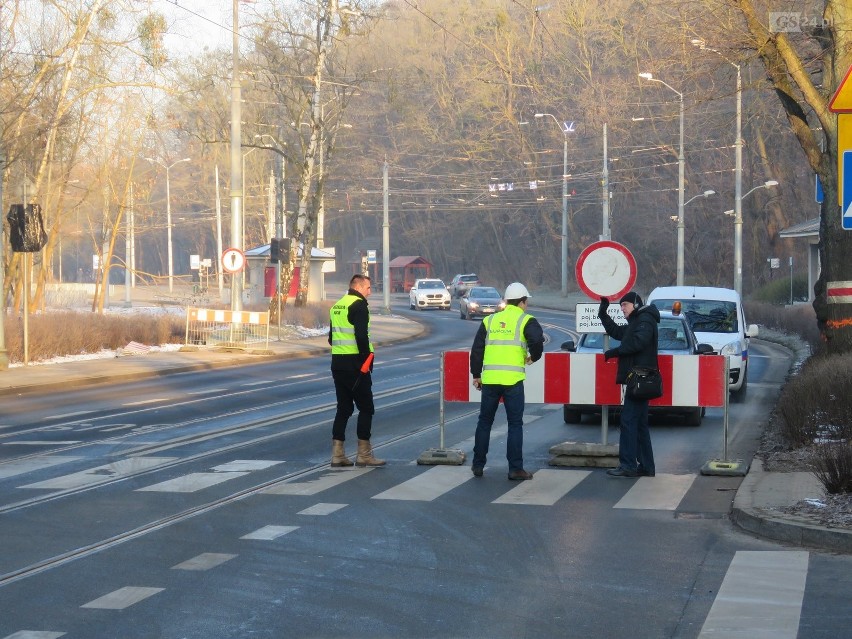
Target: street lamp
{"points": [[738, 172], [680, 186], [565, 128], [169, 216], [738, 234]]}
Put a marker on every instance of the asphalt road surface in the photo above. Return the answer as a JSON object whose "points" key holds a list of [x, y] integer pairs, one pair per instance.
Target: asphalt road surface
{"points": [[201, 505]]}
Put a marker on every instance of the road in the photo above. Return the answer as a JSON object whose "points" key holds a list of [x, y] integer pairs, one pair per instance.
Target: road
{"points": [[202, 505]]}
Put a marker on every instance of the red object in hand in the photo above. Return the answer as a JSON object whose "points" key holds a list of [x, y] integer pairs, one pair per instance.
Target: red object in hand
{"points": [[365, 367]]}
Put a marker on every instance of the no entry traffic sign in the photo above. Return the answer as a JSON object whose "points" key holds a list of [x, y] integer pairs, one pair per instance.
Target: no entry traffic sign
{"points": [[606, 269]]}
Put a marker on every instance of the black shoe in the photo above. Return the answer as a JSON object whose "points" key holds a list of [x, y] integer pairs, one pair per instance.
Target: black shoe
{"points": [[646, 473], [477, 471], [622, 472], [520, 475]]}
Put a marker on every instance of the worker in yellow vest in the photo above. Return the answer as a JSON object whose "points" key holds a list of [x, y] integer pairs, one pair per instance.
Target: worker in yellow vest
{"points": [[351, 369], [504, 344]]}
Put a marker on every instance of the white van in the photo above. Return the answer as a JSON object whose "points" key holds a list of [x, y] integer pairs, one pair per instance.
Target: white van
{"points": [[717, 317]]}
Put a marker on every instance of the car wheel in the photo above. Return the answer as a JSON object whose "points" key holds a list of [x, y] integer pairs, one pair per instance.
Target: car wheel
{"points": [[410, 305], [693, 417], [740, 395], [570, 415], [461, 313]]}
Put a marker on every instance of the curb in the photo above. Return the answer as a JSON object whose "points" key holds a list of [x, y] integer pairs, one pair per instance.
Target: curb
{"points": [[791, 529]]}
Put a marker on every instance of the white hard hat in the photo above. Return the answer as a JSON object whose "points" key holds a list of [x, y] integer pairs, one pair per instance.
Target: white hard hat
{"points": [[516, 291]]}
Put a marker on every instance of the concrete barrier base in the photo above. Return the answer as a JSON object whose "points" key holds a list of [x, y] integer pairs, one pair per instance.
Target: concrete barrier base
{"points": [[584, 455]]}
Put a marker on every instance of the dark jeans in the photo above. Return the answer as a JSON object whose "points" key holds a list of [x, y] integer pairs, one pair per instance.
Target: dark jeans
{"points": [[513, 400], [353, 389], [634, 440]]}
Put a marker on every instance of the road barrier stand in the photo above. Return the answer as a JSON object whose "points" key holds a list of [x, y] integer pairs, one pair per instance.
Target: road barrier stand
{"points": [[442, 456], [227, 329]]}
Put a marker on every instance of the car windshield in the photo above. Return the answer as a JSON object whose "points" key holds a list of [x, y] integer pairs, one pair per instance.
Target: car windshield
{"points": [[468, 278], [432, 284], [671, 336], [706, 316], [485, 293]]}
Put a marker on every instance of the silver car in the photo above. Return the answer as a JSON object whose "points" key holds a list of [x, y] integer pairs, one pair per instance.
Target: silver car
{"points": [[480, 301], [674, 337]]}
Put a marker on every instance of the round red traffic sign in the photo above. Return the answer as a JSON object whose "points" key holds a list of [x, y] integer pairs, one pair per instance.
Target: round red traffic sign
{"points": [[606, 269], [233, 260]]}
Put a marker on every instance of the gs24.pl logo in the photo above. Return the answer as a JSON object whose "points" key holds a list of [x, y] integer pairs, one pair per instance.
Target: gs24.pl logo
{"points": [[795, 21]]}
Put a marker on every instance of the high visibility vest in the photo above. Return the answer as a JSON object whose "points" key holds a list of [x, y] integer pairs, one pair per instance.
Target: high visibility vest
{"points": [[342, 331], [505, 356]]}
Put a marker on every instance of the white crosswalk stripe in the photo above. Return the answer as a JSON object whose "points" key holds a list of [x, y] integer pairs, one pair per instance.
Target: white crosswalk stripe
{"points": [[122, 598], [430, 485], [545, 489], [663, 492], [760, 598]]}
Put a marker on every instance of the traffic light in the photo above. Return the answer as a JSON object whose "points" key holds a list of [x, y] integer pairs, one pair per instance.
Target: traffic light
{"points": [[279, 247]]}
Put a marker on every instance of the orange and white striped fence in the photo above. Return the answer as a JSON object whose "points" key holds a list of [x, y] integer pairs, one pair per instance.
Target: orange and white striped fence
{"points": [[586, 378], [223, 328]]}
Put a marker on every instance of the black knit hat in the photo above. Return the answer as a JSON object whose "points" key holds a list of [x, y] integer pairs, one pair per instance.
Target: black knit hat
{"points": [[633, 298]]}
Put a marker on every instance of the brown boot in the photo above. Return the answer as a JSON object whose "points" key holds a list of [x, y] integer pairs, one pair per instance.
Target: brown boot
{"points": [[365, 455], [338, 455]]}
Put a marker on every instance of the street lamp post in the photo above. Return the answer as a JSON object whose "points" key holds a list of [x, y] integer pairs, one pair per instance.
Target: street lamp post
{"points": [[738, 233], [680, 181], [565, 128], [169, 216], [738, 172]]}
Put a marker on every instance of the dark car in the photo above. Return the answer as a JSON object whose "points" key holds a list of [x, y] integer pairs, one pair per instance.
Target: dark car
{"points": [[480, 301], [462, 283], [674, 337]]}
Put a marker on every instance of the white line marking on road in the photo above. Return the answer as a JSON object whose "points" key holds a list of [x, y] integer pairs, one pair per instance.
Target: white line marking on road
{"points": [[46, 442], [760, 597], [268, 533], [35, 634], [190, 483], [428, 486], [123, 598], [239, 465], [144, 402], [101, 474], [67, 415], [547, 487], [314, 486], [263, 381], [209, 391], [204, 561], [663, 492], [321, 509], [19, 467]]}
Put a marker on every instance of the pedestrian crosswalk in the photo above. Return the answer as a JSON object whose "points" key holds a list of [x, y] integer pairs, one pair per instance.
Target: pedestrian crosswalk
{"points": [[761, 595]]}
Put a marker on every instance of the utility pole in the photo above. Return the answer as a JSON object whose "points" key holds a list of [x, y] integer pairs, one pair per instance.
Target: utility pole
{"points": [[605, 234], [4, 356], [236, 165], [385, 240]]}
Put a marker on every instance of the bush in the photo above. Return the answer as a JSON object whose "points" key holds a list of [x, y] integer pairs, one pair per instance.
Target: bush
{"points": [[833, 466], [778, 291], [799, 319], [73, 333]]}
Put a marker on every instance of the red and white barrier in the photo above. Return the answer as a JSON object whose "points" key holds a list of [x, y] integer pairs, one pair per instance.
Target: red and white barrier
{"points": [[586, 378]]}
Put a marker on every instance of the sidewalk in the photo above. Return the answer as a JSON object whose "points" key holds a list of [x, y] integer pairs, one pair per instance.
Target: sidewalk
{"points": [[754, 507]]}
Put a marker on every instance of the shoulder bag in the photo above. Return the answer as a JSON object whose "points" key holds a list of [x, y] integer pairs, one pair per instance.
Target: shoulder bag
{"points": [[644, 383]]}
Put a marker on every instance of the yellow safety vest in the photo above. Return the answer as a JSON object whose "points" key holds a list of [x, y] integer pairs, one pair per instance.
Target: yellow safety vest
{"points": [[505, 356], [342, 331]]}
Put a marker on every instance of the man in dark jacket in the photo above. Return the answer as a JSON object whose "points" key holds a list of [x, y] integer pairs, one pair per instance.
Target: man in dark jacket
{"points": [[351, 368], [638, 348]]}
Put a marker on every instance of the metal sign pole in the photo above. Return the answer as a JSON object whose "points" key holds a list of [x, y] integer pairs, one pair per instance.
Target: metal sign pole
{"points": [[724, 466], [441, 455]]}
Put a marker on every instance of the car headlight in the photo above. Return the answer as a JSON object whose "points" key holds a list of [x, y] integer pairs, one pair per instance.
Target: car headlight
{"points": [[473, 305], [733, 348], [501, 306]]}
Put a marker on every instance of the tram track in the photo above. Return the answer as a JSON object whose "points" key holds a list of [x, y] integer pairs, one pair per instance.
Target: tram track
{"points": [[117, 539]]}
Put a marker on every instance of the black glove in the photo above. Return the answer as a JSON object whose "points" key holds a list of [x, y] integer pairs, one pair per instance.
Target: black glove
{"points": [[613, 352], [604, 305]]}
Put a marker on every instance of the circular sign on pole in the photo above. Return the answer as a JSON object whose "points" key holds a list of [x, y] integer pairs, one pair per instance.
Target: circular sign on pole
{"points": [[606, 269], [233, 260]]}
